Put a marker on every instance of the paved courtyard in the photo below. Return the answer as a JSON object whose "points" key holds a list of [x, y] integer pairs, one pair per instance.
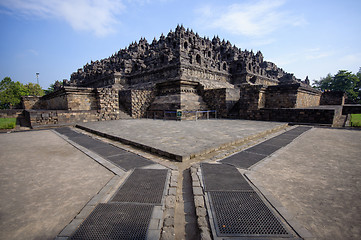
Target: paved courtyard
{"points": [[183, 139], [45, 182], [317, 179]]}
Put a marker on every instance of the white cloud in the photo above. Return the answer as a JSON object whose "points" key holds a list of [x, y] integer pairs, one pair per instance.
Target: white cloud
{"points": [[97, 16], [317, 53], [253, 19]]}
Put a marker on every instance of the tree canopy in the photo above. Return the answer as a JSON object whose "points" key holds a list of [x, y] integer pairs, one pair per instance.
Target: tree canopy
{"points": [[11, 92], [344, 81]]}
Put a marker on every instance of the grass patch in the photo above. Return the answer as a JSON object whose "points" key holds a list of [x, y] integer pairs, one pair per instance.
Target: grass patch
{"points": [[7, 123], [355, 120]]}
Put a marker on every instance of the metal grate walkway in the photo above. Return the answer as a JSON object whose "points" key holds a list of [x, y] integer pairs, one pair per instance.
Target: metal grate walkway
{"points": [[129, 213], [143, 186], [253, 155], [237, 209], [123, 159], [115, 221]]}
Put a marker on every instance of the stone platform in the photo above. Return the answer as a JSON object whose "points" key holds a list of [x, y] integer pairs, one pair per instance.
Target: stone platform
{"points": [[182, 140]]}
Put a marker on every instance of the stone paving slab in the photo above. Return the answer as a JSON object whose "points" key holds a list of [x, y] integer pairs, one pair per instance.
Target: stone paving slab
{"points": [[44, 183], [317, 179], [181, 140]]}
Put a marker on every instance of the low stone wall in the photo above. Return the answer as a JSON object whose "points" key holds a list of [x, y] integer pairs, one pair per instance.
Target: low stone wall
{"points": [[38, 118], [15, 113], [293, 115], [32, 102], [333, 98], [292, 96], [10, 113], [351, 109], [68, 98]]}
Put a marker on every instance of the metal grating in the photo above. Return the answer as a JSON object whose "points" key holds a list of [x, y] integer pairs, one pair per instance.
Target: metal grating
{"points": [[278, 141], [67, 132], [242, 214], [298, 130], [115, 221], [129, 160], [87, 142], [263, 149], [143, 186], [243, 159], [107, 150], [285, 136], [222, 177]]}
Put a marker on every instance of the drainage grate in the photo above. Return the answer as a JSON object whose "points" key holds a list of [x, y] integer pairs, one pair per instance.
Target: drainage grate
{"points": [[263, 149], [128, 160], [243, 159], [107, 150], [143, 186], [285, 136], [278, 141], [115, 221], [298, 130], [87, 142], [67, 132], [222, 177], [242, 214]]}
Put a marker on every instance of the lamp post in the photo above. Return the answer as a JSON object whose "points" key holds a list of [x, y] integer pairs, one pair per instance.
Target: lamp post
{"points": [[37, 78]]}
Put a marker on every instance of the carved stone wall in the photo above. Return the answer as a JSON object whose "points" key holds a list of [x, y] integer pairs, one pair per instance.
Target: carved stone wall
{"points": [[252, 97], [38, 118], [141, 100], [222, 100], [108, 104], [136, 102]]}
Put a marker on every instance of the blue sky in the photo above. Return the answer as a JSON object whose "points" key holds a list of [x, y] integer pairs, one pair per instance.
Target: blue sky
{"points": [[56, 37]]}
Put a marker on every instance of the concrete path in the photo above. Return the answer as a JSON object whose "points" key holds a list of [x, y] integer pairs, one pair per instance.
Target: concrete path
{"points": [[44, 183], [182, 140]]}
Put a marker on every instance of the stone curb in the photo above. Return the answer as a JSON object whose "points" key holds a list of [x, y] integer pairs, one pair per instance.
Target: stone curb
{"points": [[199, 203], [167, 230]]}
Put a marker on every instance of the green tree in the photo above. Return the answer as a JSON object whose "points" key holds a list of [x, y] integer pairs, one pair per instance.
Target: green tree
{"points": [[53, 87], [11, 92], [344, 81], [33, 90]]}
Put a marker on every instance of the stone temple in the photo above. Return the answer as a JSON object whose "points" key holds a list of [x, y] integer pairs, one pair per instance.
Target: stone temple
{"points": [[185, 72]]}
